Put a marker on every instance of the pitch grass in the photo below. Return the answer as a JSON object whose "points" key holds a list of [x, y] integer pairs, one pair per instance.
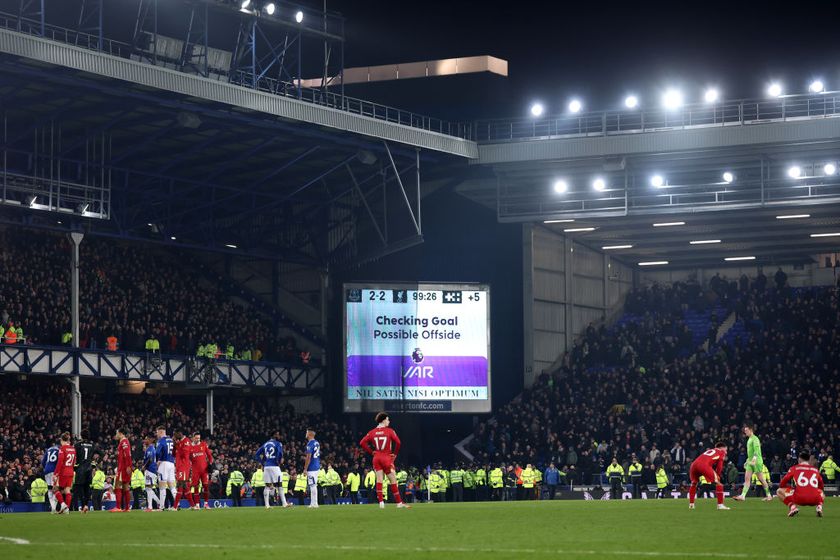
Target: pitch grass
{"points": [[492, 531]]}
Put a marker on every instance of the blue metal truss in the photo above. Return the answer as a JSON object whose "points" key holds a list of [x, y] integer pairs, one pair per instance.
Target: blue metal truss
{"points": [[91, 17], [102, 364], [32, 17], [196, 49], [146, 29]]}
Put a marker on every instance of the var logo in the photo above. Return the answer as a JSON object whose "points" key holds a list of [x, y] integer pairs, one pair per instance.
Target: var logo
{"points": [[420, 372]]}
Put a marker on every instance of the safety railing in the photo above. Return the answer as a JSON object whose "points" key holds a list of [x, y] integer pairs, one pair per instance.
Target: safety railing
{"points": [[635, 121], [352, 105]]}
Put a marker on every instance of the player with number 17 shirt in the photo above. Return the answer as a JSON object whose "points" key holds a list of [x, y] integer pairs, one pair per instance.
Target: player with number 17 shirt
{"points": [[378, 442]]}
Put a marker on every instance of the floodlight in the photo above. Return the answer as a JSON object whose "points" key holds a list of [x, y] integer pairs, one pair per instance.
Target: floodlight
{"points": [[829, 169], [672, 99], [561, 186], [657, 181], [575, 106], [775, 90], [794, 172], [599, 184], [299, 17], [537, 109], [816, 87], [711, 96], [631, 101]]}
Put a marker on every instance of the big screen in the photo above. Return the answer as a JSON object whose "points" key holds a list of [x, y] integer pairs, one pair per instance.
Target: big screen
{"points": [[417, 347]]}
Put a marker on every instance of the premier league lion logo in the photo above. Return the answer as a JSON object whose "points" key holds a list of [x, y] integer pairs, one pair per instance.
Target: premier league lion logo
{"points": [[417, 356]]}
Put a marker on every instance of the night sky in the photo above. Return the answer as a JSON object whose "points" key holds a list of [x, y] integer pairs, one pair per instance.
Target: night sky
{"points": [[594, 50], [599, 52]]}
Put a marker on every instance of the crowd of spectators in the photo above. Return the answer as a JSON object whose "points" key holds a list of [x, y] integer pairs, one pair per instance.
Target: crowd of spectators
{"points": [[662, 402], [127, 292], [35, 412], [657, 334], [782, 375]]}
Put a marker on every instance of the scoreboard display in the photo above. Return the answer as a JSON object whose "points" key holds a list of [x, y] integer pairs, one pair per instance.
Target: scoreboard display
{"points": [[417, 347]]}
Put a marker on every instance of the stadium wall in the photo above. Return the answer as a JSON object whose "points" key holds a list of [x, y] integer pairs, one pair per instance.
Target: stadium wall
{"points": [[566, 286]]}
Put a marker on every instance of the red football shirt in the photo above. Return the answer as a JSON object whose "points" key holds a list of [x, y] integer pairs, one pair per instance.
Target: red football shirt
{"points": [[711, 459], [182, 452], [200, 456], [378, 441], [124, 455], [808, 481], [66, 461]]}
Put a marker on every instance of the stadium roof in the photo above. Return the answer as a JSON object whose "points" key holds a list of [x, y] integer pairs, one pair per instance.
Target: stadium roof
{"points": [[206, 174], [742, 233]]}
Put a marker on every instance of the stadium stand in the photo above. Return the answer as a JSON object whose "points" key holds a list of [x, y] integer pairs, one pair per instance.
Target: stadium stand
{"points": [[128, 292], [653, 385], [665, 405]]}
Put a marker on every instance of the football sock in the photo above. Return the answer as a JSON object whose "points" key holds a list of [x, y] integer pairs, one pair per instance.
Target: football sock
{"points": [[267, 495], [59, 498], [379, 491], [118, 493], [719, 493], [395, 492], [692, 492], [313, 494]]}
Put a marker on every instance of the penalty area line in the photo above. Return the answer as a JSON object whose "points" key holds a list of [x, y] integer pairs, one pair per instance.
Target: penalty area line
{"points": [[13, 540], [440, 549]]}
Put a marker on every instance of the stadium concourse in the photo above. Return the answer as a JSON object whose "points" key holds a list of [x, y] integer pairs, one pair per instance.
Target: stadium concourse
{"points": [[648, 388]]}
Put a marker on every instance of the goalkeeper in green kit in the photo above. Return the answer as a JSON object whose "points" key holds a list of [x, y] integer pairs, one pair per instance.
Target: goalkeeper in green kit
{"points": [[754, 464]]}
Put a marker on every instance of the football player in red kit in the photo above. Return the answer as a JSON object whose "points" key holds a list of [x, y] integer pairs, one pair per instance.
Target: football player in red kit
{"points": [[809, 486], [182, 468], [122, 480], [64, 472], [378, 443], [709, 465], [200, 458]]}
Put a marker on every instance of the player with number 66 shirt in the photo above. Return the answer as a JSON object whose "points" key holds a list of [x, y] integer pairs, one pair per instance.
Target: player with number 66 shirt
{"points": [[809, 486]]}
